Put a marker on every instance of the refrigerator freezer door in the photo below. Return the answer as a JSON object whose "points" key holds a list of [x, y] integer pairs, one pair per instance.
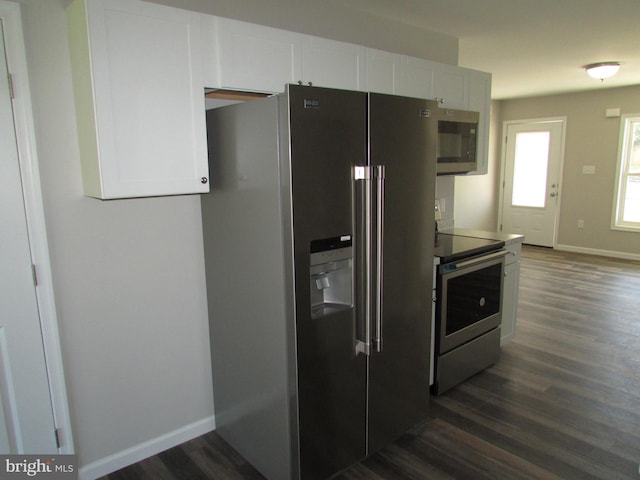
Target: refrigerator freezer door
{"points": [[402, 135], [327, 139]]}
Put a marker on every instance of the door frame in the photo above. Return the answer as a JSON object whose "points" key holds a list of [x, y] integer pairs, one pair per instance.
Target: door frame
{"points": [[503, 165], [35, 219]]}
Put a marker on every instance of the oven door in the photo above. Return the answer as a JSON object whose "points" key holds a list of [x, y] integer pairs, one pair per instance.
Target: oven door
{"points": [[470, 299]]}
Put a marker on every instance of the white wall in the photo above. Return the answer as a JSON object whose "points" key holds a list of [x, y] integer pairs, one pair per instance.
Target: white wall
{"points": [[445, 190], [128, 274], [477, 196], [128, 277], [591, 139]]}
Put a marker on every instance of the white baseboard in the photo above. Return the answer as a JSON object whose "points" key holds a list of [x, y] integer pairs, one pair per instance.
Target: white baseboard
{"points": [[595, 251], [146, 449]]}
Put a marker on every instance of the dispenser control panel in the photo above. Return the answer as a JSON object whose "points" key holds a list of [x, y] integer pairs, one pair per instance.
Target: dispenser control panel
{"points": [[331, 275]]}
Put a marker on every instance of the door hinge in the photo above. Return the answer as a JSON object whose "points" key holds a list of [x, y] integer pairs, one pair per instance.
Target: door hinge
{"points": [[35, 275], [500, 227], [11, 89], [56, 433]]}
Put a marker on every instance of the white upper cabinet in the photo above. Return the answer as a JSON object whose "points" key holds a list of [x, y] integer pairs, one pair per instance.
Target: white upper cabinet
{"points": [[140, 70], [209, 49], [466, 89], [248, 57], [139, 98], [416, 77], [328, 63], [383, 72], [451, 86], [254, 58]]}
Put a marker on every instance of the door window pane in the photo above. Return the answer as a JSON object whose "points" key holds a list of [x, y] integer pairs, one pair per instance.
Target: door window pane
{"points": [[530, 169]]}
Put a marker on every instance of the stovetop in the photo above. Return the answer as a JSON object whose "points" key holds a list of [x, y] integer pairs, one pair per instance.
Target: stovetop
{"points": [[451, 247]]}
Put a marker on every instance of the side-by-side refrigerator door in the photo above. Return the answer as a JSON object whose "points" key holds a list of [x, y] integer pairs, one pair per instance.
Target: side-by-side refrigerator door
{"points": [[327, 131], [402, 139]]}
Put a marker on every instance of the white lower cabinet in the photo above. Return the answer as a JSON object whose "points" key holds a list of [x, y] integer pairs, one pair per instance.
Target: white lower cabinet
{"points": [[139, 98], [432, 346], [510, 292]]}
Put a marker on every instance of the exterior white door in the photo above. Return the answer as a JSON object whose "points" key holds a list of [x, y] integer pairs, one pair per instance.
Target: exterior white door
{"points": [[26, 414], [531, 180]]}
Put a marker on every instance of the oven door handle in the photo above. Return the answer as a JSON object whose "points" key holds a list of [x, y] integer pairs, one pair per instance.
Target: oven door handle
{"points": [[478, 260]]}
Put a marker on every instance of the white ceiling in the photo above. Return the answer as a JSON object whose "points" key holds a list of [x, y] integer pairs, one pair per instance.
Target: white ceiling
{"points": [[531, 47]]}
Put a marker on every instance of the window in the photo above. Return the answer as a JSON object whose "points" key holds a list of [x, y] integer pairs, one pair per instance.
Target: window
{"points": [[627, 199], [530, 166]]}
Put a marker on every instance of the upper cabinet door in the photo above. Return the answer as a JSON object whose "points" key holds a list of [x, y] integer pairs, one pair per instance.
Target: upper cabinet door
{"points": [[383, 72], [257, 58], [328, 63], [416, 79], [139, 98], [451, 86]]}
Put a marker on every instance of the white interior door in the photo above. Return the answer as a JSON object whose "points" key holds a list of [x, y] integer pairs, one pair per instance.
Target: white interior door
{"points": [[26, 415], [531, 180]]}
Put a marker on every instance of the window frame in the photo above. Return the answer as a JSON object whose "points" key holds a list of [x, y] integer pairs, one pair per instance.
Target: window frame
{"points": [[623, 163]]}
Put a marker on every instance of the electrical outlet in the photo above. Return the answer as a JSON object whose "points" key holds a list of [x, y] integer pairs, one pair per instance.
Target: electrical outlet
{"points": [[580, 223], [438, 213]]}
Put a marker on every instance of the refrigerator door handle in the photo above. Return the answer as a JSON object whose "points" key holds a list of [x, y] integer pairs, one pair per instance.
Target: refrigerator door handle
{"points": [[380, 177], [363, 217]]}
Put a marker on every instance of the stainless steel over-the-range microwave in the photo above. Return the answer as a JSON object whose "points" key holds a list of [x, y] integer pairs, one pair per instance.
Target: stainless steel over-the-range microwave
{"points": [[457, 141]]}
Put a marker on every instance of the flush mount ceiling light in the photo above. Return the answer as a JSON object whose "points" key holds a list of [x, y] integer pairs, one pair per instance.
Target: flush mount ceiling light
{"points": [[602, 70]]}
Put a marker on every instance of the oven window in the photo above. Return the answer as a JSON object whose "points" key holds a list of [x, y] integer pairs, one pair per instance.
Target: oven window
{"points": [[472, 297]]}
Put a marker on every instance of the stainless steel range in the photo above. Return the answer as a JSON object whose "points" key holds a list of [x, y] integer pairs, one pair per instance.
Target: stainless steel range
{"points": [[468, 307]]}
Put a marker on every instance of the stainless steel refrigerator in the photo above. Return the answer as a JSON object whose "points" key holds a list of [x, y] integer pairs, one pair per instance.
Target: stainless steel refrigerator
{"points": [[318, 237]]}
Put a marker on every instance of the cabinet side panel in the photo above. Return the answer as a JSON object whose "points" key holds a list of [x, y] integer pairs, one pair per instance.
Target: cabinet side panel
{"points": [[83, 92], [480, 101], [242, 224]]}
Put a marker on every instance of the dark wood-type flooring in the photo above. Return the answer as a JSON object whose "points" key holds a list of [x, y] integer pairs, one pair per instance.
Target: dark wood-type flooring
{"points": [[563, 402]]}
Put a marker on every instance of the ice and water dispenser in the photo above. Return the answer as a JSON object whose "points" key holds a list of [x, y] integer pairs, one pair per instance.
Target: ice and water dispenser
{"points": [[331, 275]]}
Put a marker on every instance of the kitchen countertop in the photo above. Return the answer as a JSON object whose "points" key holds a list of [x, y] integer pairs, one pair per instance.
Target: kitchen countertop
{"points": [[507, 238]]}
